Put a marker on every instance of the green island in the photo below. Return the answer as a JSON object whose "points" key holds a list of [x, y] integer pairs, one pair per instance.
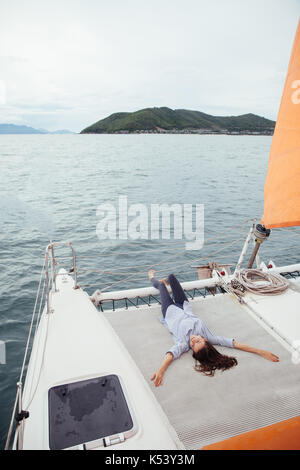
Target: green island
{"points": [[180, 121]]}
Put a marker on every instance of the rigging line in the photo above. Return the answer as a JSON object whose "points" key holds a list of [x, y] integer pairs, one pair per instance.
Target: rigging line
{"points": [[142, 273], [126, 268], [168, 242], [159, 263], [35, 332], [42, 361], [290, 229], [156, 264], [208, 256], [288, 233], [286, 247], [12, 420], [287, 229], [136, 252], [191, 271], [115, 271], [172, 256], [112, 271], [24, 359], [139, 278], [31, 324], [40, 307]]}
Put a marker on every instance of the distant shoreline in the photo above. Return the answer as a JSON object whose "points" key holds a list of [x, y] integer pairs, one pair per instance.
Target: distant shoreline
{"points": [[182, 132], [178, 132], [180, 121]]}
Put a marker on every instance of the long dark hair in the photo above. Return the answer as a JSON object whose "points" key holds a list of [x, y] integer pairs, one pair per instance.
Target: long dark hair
{"points": [[208, 360]]}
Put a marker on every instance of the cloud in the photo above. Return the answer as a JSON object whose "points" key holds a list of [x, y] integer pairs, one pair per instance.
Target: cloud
{"points": [[68, 64]]}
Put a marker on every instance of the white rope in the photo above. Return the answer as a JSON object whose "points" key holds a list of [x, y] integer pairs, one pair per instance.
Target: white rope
{"points": [[24, 359], [167, 243], [31, 324], [124, 268], [221, 261], [209, 256], [40, 308], [283, 248], [120, 269], [262, 283], [35, 332], [42, 363], [285, 229], [174, 267], [12, 421]]}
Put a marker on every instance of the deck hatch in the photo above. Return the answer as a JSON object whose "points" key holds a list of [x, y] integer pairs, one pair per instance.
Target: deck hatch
{"points": [[88, 410]]}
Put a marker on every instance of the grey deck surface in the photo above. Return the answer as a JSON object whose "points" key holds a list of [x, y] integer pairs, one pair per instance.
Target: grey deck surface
{"points": [[202, 409]]}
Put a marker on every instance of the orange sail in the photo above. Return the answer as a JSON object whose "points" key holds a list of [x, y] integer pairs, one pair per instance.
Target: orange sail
{"points": [[282, 186]]}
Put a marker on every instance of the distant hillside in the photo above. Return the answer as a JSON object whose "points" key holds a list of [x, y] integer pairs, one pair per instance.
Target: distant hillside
{"points": [[15, 129], [182, 121]]}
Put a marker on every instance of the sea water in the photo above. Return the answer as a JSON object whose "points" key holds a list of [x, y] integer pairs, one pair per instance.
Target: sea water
{"points": [[52, 185]]}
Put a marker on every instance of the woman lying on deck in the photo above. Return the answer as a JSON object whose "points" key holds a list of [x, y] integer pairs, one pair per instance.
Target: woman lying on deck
{"points": [[189, 332]]}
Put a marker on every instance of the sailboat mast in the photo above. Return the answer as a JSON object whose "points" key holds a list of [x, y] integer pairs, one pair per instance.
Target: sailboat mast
{"points": [[261, 233]]}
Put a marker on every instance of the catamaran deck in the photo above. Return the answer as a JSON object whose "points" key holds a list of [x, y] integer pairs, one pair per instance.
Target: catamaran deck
{"points": [[75, 342], [204, 410]]}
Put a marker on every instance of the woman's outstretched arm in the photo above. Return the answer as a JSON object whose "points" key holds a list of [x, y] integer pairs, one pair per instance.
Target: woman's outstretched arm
{"points": [[261, 352], [158, 376]]}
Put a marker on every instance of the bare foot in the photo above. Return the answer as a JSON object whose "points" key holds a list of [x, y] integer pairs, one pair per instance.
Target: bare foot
{"points": [[151, 274], [164, 280]]}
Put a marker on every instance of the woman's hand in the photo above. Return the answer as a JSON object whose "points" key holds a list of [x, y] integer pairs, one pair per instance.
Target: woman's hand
{"points": [[269, 356], [266, 354], [158, 378]]}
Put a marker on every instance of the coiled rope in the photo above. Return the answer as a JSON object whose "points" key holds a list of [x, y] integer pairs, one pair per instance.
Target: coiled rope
{"points": [[262, 283]]}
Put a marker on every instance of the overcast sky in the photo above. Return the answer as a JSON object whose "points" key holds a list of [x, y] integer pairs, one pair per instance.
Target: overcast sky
{"points": [[65, 64]]}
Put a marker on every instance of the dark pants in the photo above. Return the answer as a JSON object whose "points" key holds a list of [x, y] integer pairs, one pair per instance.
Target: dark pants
{"points": [[178, 293]]}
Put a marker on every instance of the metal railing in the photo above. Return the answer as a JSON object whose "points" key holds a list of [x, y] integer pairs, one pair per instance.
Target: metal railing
{"points": [[50, 249]]}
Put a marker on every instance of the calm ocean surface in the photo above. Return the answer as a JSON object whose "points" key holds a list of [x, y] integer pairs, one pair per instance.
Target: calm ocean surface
{"points": [[51, 186]]}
